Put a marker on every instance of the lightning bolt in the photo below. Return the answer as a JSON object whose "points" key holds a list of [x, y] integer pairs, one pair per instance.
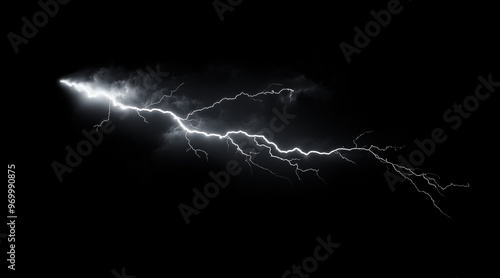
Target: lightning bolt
{"points": [[291, 157], [272, 92]]}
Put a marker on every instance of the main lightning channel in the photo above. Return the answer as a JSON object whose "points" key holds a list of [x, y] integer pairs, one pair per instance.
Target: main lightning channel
{"points": [[412, 175]]}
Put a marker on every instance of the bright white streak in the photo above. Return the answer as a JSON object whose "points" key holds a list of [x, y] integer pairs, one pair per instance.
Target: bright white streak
{"points": [[410, 174]]}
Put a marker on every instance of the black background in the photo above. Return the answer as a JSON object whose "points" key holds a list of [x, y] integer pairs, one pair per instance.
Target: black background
{"points": [[119, 207]]}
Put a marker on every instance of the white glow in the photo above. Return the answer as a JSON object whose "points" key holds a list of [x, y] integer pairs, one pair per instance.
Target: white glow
{"points": [[274, 151]]}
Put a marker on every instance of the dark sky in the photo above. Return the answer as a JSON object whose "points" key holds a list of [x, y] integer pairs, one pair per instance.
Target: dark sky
{"points": [[119, 206]]}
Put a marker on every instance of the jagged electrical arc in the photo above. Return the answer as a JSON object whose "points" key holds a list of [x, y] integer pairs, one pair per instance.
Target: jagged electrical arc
{"points": [[412, 175]]}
